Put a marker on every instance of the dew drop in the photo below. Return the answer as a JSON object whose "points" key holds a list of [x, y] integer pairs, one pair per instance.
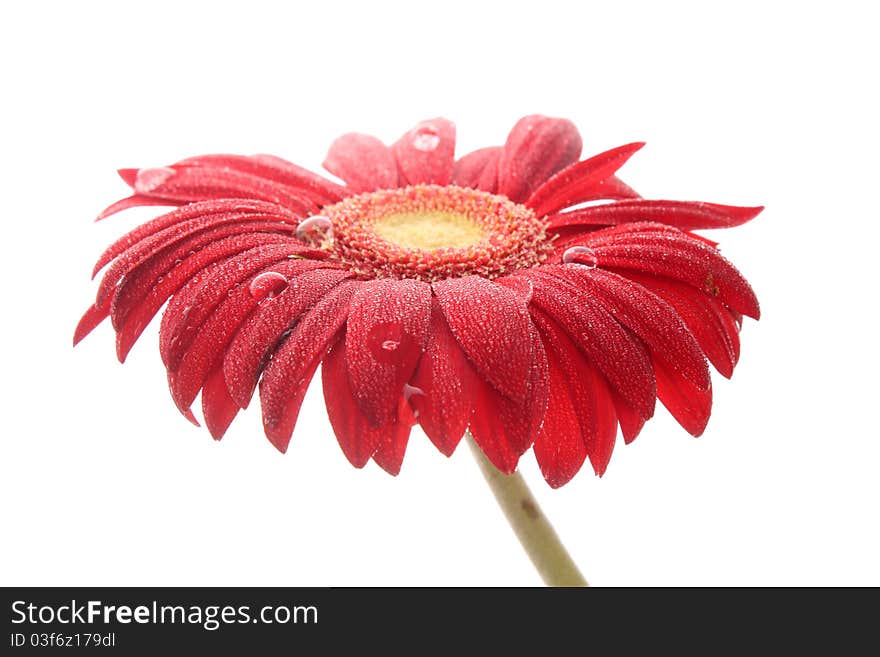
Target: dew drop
{"points": [[315, 231], [386, 341], [148, 180], [425, 139], [267, 285], [580, 255]]}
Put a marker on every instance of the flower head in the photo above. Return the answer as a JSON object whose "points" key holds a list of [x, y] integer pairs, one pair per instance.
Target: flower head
{"points": [[518, 292]]}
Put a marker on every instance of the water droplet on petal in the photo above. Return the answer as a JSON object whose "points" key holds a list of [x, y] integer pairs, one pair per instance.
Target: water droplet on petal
{"points": [[267, 285], [315, 231], [147, 180], [386, 340], [425, 139], [580, 255]]}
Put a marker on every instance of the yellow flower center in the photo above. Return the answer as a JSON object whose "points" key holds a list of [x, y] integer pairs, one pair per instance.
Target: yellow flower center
{"points": [[429, 230]]}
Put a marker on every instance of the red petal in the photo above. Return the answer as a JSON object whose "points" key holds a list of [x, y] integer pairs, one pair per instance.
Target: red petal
{"points": [[606, 424], [491, 323], [390, 449], [559, 447], [215, 332], [217, 406], [631, 422], [387, 330], [593, 404], [536, 148], [684, 215], [134, 201], [363, 162], [653, 320], [90, 319], [444, 384], [203, 215], [689, 405], [357, 436], [137, 281], [619, 356], [504, 428], [190, 308], [469, 169], [142, 293], [705, 316], [426, 153], [539, 384], [316, 187], [488, 181], [200, 183], [293, 364], [140, 255], [496, 429], [678, 256], [582, 181], [266, 327]]}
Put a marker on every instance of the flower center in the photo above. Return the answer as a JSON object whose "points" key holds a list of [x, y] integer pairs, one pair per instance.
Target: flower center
{"points": [[430, 232]]}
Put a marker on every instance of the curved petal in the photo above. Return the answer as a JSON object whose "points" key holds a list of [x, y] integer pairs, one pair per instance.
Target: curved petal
{"points": [[685, 215], [214, 334], [650, 318], [536, 148], [192, 306], [621, 358], [499, 433], [689, 405], [294, 362], [187, 184], [363, 162], [505, 428], [591, 399], [679, 256], [217, 406], [133, 201], [268, 326], [426, 153], [145, 290], [209, 213], [92, 317], [470, 169], [387, 330], [443, 386], [631, 422], [358, 437], [710, 322], [392, 446], [269, 167], [559, 447], [582, 181], [491, 323]]}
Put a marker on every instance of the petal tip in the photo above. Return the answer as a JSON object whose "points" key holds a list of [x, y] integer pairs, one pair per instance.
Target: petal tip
{"points": [[189, 415], [128, 175]]}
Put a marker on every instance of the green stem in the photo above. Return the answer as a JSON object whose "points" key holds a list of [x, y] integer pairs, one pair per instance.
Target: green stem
{"points": [[529, 523]]}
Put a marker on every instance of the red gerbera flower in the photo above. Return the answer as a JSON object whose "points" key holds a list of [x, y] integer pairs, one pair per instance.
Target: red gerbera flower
{"points": [[489, 293]]}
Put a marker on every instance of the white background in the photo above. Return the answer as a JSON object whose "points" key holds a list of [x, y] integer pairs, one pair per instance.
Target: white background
{"points": [[102, 482]]}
